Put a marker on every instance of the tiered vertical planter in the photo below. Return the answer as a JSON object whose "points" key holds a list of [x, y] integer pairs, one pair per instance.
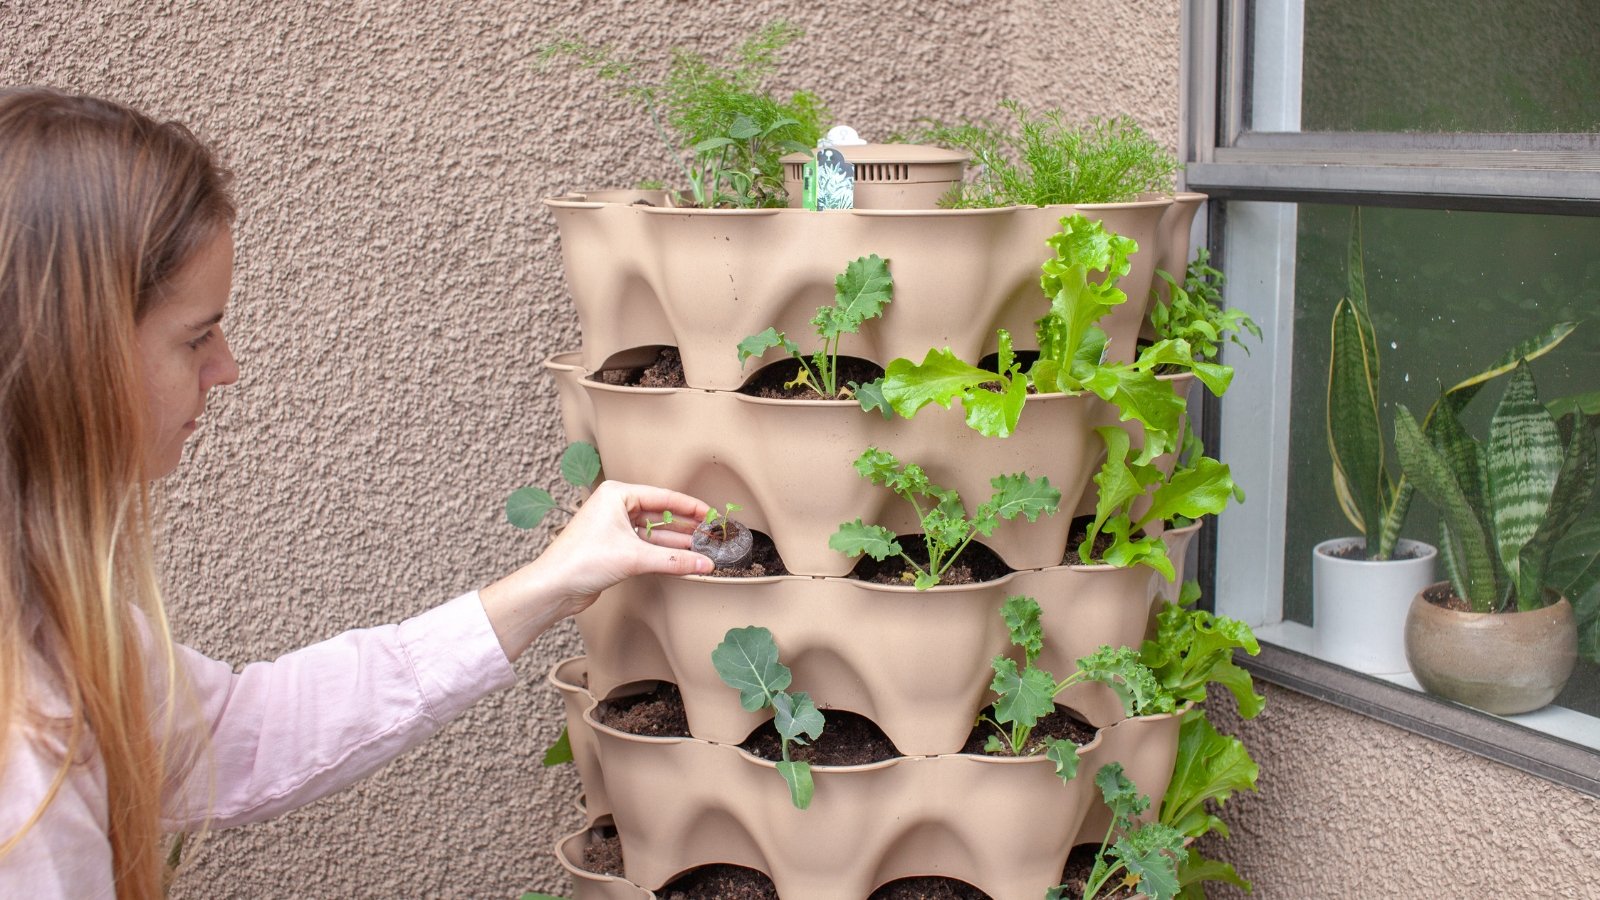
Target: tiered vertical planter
{"points": [[648, 275]]}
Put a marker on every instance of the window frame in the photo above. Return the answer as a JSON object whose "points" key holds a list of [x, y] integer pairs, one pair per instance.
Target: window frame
{"points": [[1542, 174]]}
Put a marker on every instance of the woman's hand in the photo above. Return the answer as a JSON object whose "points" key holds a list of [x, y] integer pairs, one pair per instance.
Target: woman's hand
{"points": [[603, 544]]}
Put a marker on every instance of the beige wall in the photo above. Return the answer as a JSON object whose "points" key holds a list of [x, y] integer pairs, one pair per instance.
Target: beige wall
{"points": [[398, 283]]}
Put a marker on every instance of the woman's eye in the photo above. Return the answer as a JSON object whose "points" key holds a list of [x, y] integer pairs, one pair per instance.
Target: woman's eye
{"points": [[200, 341]]}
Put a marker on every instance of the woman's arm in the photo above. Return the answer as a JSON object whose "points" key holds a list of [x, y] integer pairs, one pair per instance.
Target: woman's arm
{"points": [[315, 721]]}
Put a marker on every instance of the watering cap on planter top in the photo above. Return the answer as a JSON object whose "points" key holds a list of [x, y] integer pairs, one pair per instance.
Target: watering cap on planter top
{"points": [[888, 176]]}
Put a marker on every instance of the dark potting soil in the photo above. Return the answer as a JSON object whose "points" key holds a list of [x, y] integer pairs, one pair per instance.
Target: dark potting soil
{"points": [[764, 560], [847, 739], [1061, 725], [769, 382], [1444, 595], [977, 563], [1356, 550], [666, 371], [657, 713], [928, 887], [1075, 875], [603, 856], [1080, 530]]}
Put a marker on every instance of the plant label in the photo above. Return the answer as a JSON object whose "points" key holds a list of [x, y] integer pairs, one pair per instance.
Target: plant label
{"points": [[808, 184], [836, 180]]}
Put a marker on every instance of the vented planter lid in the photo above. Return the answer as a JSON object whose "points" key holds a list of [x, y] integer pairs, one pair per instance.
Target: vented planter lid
{"points": [[889, 163]]}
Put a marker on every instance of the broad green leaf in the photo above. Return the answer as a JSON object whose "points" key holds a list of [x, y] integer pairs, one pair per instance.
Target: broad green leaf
{"points": [[1197, 869], [1200, 488], [1355, 429], [1585, 405], [798, 777], [527, 507], [870, 396], [747, 661], [743, 128], [1425, 468], [1239, 683], [710, 144], [580, 464], [940, 378], [1152, 852], [1024, 697], [860, 293], [1209, 766], [855, 538], [1023, 615], [1126, 552], [1523, 460], [757, 344], [795, 715], [1065, 755], [1018, 495], [1139, 396], [995, 413], [559, 752]]}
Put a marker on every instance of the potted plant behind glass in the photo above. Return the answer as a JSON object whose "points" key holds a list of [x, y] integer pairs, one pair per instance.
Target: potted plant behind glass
{"points": [[1361, 586], [1498, 635]]}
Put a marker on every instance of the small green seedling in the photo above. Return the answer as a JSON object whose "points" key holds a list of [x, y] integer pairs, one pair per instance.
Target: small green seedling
{"points": [[1148, 855], [650, 527], [728, 542], [1194, 311], [946, 529], [859, 294], [1027, 694], [721, 520], [747, 661], [580, 466]]}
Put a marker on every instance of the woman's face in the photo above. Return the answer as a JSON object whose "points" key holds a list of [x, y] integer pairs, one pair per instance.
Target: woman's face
{"points": [[182, 352]]}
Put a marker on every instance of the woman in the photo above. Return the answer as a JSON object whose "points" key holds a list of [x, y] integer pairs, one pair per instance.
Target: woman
{"points": [[115, 267]]}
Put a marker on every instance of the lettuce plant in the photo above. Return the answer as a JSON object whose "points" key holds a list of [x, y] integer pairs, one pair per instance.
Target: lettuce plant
{"points": [[1027, 693], [859, 294], [946, 527], [747, 661], [1504, 504]]}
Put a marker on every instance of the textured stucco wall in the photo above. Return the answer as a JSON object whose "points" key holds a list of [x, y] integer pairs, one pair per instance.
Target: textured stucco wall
{"points": [[397, 284]]}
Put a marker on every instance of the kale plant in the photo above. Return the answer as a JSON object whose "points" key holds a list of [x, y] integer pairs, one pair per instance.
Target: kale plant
{"points": [[946, 527], [859, 294], [1148, 855]]}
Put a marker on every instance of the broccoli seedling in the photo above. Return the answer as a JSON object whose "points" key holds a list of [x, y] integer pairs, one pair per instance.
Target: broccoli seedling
{"points": [[580, 466], [747, 661], [859, 294], [728, 542]]}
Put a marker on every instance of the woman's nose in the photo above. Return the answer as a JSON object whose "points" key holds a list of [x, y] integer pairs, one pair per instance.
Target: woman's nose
{"points": [[224, 369]]}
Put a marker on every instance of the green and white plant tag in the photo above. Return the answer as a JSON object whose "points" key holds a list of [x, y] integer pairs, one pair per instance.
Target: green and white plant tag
{"points": [[808, 184], [836, 180]]}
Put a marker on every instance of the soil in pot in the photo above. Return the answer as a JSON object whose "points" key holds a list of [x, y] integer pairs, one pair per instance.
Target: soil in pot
{"points": [[1357, 550], [603, 856], [928, 887], [1445, 596], [666, 371], [1062, 724], [769, 383], [847, 739], [976, 564], [1080, 530], [1076, 876], [764, 559], [720, 881], [656, 713]]}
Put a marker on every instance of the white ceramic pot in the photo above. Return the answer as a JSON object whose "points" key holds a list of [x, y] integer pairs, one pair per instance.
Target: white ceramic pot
{"points": [[1359, 606]]}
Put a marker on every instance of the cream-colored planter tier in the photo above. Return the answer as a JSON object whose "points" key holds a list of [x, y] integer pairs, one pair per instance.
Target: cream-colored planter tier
{"points": [[587, 885], [703, 280], [569, 678], [789, 463], [914, 662]]}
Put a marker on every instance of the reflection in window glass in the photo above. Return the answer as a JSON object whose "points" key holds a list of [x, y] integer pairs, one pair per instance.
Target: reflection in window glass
{"points": [[1443, 66], [1449, 292]]}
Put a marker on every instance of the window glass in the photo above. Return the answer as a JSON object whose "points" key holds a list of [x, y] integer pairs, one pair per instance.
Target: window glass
{"points": [[1448, 292], [1443, 66]]}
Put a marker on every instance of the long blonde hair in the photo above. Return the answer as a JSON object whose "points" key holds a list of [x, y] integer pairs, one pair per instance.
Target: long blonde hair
{"points": [[99, 207]]}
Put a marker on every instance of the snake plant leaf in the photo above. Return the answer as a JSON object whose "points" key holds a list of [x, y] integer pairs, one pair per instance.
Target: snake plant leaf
{"points": [[1462, 453], [1584, 406], [1522, 462], [1575, 486], [1421, 463], [1355, 430], [1460, 394], [747, 661], [1356, 286], [1575, 564]]}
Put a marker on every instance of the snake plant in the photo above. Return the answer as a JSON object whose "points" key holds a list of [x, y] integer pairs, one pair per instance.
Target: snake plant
{"points": [[1375, 501], [1505, 503]]}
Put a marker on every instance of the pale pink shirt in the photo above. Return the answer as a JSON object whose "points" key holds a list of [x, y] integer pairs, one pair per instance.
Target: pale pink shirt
{"points": [[283, 734]]}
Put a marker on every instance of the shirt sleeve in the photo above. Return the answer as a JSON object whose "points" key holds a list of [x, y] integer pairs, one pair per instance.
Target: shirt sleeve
{"points": [[317, 720]]}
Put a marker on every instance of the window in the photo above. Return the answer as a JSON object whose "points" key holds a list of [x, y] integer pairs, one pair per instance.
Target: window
{"points": [[1469, 137]]}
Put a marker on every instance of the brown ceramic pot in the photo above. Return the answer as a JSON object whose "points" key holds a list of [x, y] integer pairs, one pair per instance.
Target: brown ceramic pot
{"points": [[1502, 663]]}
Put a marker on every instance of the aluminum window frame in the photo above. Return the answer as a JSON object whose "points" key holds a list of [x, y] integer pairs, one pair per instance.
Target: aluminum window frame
{"points": [[1547, 174]]}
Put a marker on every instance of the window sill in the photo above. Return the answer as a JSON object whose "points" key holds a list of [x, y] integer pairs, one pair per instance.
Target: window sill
{"points": [[1554, 743]]}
